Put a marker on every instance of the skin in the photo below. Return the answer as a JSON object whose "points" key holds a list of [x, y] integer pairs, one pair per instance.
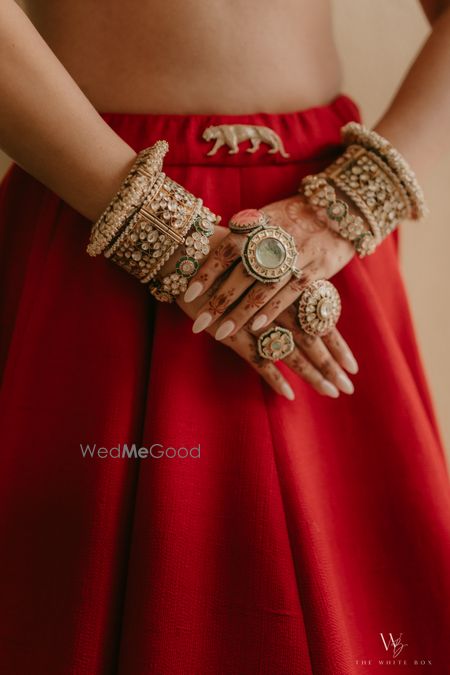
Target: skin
{"points": [[239, 298], [162, 66], [318, 361]]}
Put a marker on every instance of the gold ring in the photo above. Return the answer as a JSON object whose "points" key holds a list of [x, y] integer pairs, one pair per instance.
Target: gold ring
{"points": [[248, 220], [319, 307], [275, 343]]}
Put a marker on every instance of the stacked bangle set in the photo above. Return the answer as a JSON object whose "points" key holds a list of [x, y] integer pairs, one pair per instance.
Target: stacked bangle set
{"points": [[152, 217], [378, 183], [149, 219]]}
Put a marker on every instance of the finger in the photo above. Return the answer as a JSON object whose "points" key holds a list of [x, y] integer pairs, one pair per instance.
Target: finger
{"points": [[340, 350], [285, 297], [228, 292], [244, 344], [305, 369], [257, 297], [317, 352], [302, 366], [220, 259]]}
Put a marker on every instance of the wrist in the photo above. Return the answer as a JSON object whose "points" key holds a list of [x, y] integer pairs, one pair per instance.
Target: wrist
{"points": [[367, 191], [219, 233], [107, 182], [154, 225]]}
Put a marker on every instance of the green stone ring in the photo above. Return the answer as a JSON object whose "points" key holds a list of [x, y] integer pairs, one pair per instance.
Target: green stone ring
{"points": [[269, 254], [276, 343]]}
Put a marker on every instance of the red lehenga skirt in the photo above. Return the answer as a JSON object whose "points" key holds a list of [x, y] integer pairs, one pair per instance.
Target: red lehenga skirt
{"points": [[309, 537]]}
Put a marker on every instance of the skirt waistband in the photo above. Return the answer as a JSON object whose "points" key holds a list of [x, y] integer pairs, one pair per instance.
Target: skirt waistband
{"points": [[240, 140]]}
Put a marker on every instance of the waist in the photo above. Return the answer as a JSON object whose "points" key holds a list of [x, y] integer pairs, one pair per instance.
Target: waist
{"points": [[166, 56], [240, 139]]}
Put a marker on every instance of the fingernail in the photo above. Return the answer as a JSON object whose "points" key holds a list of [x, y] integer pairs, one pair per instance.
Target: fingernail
{"points": [[225, 330], [259, 322], [193, 291], [349, 362], [345, 384], [329, 389], [287, 391], [201, 322]]}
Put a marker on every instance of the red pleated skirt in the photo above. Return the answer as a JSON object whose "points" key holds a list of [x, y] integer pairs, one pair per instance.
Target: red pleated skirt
{"points": [[309, 537]]}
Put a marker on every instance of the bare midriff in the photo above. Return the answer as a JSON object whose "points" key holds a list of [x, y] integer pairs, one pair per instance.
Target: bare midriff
{"points": [[194, 56]]}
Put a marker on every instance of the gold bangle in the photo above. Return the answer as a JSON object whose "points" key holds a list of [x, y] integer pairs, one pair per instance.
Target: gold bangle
{"points": [[132, 192], [319, 193], [354, 133], [195, 249], [373, 187], [156, 230]]}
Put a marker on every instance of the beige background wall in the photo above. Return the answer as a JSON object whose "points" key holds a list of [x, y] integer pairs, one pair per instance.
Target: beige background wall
{"points": [[378, 39]]}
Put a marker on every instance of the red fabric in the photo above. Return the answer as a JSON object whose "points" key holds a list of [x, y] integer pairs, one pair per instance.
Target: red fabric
{"points": [[302, 532]]}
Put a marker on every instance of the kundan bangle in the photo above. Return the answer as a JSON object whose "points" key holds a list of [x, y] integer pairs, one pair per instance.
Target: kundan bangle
{"points": [[143, 173], [373, 187], [156, 230], [196, 248], [148, 219], [354, 133], [378, 182], [320, 194]]}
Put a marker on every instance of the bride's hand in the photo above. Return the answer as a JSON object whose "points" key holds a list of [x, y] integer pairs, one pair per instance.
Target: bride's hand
{"points": [[322, 254], [312, 359]]}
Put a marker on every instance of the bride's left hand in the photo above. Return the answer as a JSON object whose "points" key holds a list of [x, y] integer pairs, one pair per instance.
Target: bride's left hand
{"points": [[240, 298]]}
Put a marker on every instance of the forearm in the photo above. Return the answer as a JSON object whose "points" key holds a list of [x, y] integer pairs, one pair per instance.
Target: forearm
{"points": [[418, 121], [49, 127]]}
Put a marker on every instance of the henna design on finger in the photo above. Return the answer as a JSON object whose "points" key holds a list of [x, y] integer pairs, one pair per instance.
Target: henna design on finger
{"points": [[298, 365], [298, 284], [255, 298], [219, 303], [225, 255], [255, 357], [275, 304], [213, 288], [334, 342], [306, 340], [326, 368]]}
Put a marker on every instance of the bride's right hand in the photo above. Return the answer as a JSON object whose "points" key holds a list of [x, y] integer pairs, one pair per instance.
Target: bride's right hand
{"points": [[300, 361]]}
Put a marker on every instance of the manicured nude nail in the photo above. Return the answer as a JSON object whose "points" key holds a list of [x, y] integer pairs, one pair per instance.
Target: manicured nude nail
{"points": [[225, 330], [259, 322], [329, 389], [345, 384], [193, 291], [286, 390], [349, 362], [201, 322]]}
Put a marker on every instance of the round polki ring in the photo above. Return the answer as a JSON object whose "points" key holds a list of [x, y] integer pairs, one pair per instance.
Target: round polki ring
{"points": [[248, 220], [319, 307], [269, 254], [275, 343]]}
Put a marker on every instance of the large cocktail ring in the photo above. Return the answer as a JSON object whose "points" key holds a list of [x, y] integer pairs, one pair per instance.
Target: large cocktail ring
{"points": [[319, 307], [275, 343], [269, 254], [248, 220]]}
